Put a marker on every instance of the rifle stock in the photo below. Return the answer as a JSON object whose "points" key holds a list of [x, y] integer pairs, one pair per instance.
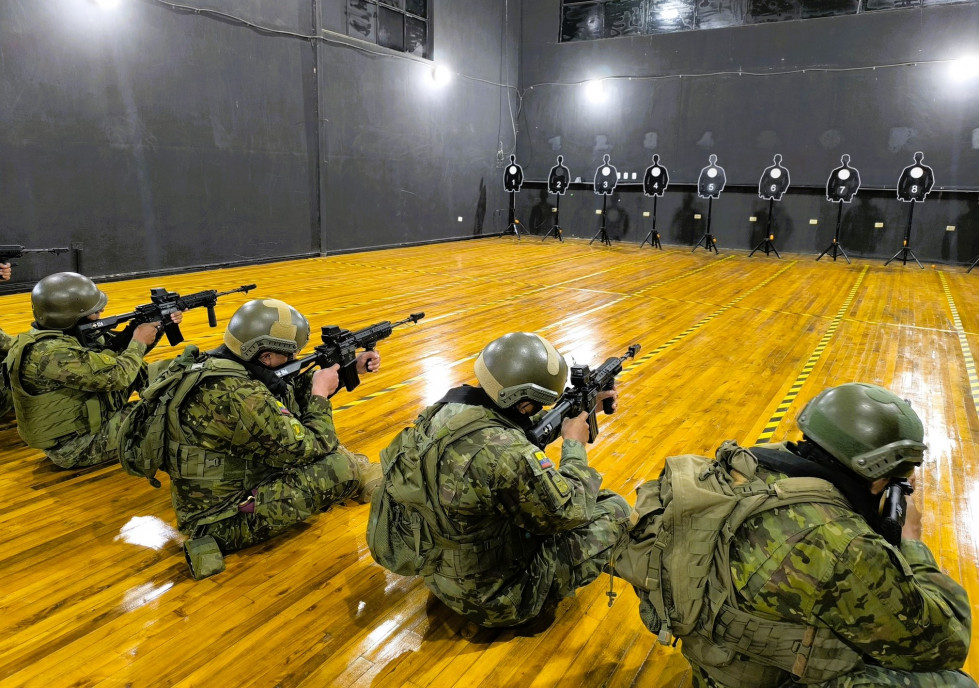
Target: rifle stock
{"points": [[581, 397]]}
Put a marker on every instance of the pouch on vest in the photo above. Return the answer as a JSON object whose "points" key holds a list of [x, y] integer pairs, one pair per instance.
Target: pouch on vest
{"points": [[203, 557]]}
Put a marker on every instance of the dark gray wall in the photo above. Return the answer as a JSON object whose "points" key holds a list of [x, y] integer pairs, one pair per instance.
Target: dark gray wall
{"points": [[156, 138], [880, 117], [403, 159], [163, 139]]}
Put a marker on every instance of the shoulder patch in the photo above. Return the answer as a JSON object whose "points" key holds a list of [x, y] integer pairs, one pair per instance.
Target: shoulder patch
{"points": [[543, 460], [297, 428], [282, 408]]}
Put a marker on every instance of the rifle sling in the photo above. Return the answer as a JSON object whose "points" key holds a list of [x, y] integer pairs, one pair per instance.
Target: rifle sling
{"points": [[276, 385]]}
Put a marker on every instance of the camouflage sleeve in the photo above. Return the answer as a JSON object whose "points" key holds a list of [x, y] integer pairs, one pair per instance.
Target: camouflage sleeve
{"points": [[302, 387], [6, 341], [538, 496], [896, 606], [267, 429], [92, 371]]}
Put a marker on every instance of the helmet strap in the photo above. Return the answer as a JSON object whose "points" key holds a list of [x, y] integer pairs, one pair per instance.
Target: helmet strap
{"points": [[263, 374], [477, 396]]}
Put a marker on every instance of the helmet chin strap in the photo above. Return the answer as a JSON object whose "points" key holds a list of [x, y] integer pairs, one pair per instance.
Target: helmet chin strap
{"points": [[256, 369]]}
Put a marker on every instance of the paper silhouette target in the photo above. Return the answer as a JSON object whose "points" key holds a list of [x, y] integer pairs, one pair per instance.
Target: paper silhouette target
{"points": [[774, 181], [656, 179], [559, 178], [843, 182], [513, 176], [712, 179], [916, 181], [606, 177]]}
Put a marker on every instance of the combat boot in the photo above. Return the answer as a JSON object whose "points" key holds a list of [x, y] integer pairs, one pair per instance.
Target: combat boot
{"points": [[371, 477]]}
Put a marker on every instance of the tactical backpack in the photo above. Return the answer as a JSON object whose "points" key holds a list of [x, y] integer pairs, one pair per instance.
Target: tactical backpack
{"points": [[141, 444], [678, 559], [405, 524]]}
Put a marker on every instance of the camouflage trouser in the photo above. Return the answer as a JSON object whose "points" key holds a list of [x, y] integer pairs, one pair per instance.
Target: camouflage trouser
{"points": [[867, 676], [583, 553], [879, 676], [89, 450], [562, 563], [286, 499]]}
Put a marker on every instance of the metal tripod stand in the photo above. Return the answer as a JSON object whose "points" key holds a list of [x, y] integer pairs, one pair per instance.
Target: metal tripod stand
{"points": [[768, 243], [653, 236], [601, 233], [906, 248], [708, 240]]}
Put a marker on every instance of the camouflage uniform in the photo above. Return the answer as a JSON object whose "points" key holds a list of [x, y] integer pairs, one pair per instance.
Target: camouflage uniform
{"points": [[551, 528], [823, 566], [6, 401], [69, 398], [249, 465]]}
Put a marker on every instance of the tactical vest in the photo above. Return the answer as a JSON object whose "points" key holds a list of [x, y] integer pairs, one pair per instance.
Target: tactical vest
{"points": [[698, 505], [185, 461], [48, 419], [408, 532]]}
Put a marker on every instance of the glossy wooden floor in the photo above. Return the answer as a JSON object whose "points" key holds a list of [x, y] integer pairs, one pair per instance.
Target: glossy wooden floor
{"points": [[95, 591]]}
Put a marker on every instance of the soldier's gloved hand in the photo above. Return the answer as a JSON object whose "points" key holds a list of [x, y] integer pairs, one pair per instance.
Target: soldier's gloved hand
{"points": [[612, 394], [368, 362], [147, 333], [326, 381], [4, 271], [575, 428]]}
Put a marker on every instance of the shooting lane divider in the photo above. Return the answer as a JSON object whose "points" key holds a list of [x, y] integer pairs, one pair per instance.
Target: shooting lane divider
{"points": [[693, 328], [797, 385], [970, 364]]}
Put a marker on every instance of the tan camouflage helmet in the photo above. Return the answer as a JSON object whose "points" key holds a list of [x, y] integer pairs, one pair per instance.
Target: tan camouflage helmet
{"points": [[869, 429], [266, 325], [60, 300], [521, 366]]}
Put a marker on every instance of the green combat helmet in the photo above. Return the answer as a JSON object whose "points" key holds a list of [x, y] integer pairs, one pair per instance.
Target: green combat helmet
{"points": [[521, 366], [62, 299], [266, 325], [869, 429]]}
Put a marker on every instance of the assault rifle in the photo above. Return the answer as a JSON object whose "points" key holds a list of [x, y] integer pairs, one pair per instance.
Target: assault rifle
{"points": [[581, 397], [163, 304], [340, 346], [895, 510], [10, 251]]}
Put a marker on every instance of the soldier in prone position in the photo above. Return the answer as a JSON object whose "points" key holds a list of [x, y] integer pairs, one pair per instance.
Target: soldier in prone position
{"points": [[805, 583], [249, 454], [509, 531], [69, 398]]}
